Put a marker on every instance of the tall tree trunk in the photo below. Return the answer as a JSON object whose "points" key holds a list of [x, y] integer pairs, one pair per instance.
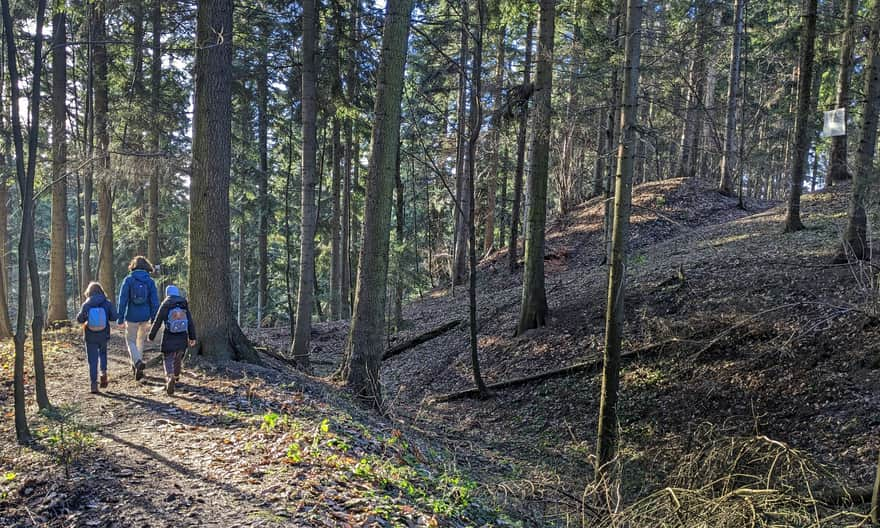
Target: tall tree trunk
{"points": [[728, 158], [305, 297], [462, 203], [495, 174], [606, 444], [855, 239], [155, 134], [400, 239], [690, 136], [802, 119], [365, 343], [5, 163], [335, 220], [57, 310], [5, 323], [210, 295], [512, 246], [349, 165], [26, 255], [102, 133], [838, 170], [476, 120], [263, 179], [533, 312]]}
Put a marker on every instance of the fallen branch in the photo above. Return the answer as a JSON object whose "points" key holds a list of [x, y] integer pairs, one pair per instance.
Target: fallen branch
{"points": [[592, 366], [419, 339]]}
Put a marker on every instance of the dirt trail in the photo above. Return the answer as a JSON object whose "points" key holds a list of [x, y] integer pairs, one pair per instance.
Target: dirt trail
{"points": [[219, 453]]}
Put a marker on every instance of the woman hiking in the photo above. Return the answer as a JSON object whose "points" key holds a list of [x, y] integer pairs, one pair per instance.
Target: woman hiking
{"points": [[138, 304]]}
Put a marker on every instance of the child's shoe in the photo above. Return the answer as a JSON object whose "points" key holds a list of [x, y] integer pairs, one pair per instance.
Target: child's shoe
{"points": [[139, 370], [169, 386], [104, 380], [94, 389]]}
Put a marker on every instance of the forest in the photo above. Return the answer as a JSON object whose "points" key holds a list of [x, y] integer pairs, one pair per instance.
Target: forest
{"points": [[476, 263]]}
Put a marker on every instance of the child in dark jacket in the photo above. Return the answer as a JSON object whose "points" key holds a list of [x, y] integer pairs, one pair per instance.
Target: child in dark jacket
{"points": [[95, 316], [179, 332]]}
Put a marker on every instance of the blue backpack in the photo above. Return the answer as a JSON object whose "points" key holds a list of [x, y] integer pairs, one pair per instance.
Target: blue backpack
{"points": [[139, 293], [177, 321], [97, 321]]}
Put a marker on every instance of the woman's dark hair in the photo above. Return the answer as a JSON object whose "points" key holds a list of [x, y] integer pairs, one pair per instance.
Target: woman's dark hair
{"points": [[140, 262], [94, 288]]}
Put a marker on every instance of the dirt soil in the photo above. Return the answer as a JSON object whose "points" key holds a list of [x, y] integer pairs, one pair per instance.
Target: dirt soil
{"points": [[237, 445], [753, 332]]}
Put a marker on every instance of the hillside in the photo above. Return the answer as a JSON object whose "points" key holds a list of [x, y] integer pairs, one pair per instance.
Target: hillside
{"points": [[747, 333], [758, 357]]}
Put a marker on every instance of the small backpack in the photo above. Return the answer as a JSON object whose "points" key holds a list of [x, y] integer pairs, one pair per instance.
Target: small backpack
{"points": [[177, 320], [97, 321], [139, 292]]}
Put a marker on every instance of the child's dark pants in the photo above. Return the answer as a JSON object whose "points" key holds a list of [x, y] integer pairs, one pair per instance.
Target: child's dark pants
{"points": [[96, 353], [172, 362]]}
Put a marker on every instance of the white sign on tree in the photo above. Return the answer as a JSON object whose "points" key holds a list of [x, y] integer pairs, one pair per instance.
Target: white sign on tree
{"points": [[835, 123]]}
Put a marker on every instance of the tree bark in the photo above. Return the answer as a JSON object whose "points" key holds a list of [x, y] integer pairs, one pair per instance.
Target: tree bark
{"points": [[263, 177], [26, 255], [210, 298], [335, 222], [802, 119], [495, 174], [725, 186], [5, 161], [57, 310], [476, 120], [855, 242], [614, 315], [512, 246], [838, 170], [102, 133], [462, 203], [305, 297], [155, 134], [533, 312], [364, 347]]}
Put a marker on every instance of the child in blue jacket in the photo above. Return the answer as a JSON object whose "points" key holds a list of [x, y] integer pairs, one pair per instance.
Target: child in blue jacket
{"points": [[95, 315]]}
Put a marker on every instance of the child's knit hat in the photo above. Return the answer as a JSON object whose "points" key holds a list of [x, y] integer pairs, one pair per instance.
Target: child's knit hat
{"points": [[172, 291]]}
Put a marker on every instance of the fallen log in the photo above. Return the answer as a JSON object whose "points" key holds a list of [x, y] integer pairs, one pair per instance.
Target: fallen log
{"points": [[419, 339], [591, 366]]}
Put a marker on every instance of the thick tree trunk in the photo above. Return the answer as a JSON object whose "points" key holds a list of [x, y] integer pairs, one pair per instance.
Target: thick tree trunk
{"points": [[57, 310], [802, 118], [263, 177], [209, 276], [728, 159], [838, 170], [533, 312], [365, 344], [102, 134], [512, 246], [606, 445], [299, 349], [462, 202], [495, 173], [855, 239], [155, 134]]}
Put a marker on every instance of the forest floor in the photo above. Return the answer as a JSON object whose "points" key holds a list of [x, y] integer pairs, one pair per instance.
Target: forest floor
{"points": [[237, 445], [752, 340], [754, 392]]}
